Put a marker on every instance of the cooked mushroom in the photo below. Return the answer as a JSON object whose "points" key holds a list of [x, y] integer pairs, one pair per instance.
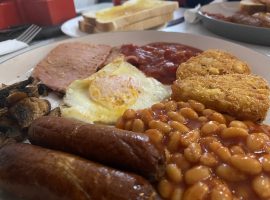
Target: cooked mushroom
{"points": [[43, 89], [3, 111], [5, 140], [10, 129], [56, 112], [15, 97], [28, 109], [4, 92]]}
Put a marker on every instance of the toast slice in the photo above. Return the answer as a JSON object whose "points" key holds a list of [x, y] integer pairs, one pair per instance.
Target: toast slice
{"points": [[86, 27], [141, 25], [251, 6], [148, 23], [129, 13]]}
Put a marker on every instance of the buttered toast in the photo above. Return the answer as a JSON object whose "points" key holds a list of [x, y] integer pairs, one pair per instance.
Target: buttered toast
{"points": [[132, 12]]}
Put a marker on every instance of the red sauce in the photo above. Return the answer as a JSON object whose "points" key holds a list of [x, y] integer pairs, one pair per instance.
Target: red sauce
{"points": [[159, 60]]}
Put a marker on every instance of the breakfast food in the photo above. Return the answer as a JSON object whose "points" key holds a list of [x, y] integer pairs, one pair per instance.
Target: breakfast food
{"points": [[264, 17], [32, 173], [68, 62], [242, 96], [20, 105], [115, 53], [104, 96], [86, 27], [159, 60], [252, 6], [28, 109], [212, 62], [251, 12], [260, 19], [132, 15], [187, 149], [209, 155], [127, 150], [149, 23]]}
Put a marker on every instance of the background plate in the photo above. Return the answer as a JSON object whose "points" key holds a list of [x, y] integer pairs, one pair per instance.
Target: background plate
{"points": [[71, 27], [244, 33]]}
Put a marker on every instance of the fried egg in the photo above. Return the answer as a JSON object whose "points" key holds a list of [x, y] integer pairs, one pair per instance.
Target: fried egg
{"points": [[106, 95]]}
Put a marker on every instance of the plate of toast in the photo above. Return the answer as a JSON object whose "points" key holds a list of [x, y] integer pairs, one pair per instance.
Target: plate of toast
{"points": [[246, 21], [130, 16]]}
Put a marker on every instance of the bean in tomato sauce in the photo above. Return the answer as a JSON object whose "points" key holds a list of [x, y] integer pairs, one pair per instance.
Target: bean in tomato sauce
{"points": [[210, 156], [159, 60]]}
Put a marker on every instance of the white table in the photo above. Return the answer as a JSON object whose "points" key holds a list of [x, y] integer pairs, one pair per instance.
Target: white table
{"points": [[183, 27]]}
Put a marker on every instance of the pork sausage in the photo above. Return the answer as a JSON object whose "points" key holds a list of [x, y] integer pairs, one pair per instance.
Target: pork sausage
{"points": [[35, 173], [115, 147]]}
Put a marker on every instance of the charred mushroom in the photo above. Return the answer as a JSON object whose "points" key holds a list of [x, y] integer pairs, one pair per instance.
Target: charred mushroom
{"points": [[56, 112], [28, 109]]}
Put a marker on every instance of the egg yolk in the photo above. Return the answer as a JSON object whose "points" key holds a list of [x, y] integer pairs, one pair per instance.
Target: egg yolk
{"points": [[114, 91]]}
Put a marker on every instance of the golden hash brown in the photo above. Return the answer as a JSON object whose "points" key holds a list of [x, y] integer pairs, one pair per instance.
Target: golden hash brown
{"points": [[212, 62], [242, 96]]}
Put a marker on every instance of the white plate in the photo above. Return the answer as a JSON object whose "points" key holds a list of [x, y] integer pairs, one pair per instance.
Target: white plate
{"points": [[71, 27], [18, 67], [239, 32]]}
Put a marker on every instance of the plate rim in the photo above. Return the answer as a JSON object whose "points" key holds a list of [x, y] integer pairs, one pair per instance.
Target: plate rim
{"points": [[240, 51], [66, 24]]}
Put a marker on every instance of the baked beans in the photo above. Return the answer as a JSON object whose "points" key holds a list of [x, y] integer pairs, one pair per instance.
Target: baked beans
{"points": [[174, 173], [193, 152], [221, 192], [210, 156], [209, 159], [154, 135], [229, 173], [138, 126], [197, 174], [209, 128], [197, 191], [261, 185], [174, 141]]}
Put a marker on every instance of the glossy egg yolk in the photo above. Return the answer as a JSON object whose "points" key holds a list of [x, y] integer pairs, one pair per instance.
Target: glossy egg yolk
{"points": [[114, 91]]}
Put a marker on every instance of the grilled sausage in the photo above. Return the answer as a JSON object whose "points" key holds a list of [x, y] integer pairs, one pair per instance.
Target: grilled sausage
{"points": [[118, 148], [35, 173]]}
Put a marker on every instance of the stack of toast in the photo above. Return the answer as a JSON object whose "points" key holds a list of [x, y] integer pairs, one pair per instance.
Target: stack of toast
{"points": [[132, 15], [253, 6]]}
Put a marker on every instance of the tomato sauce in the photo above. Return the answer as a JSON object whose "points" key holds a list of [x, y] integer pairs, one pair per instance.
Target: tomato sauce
{"points": [[159, 60]]}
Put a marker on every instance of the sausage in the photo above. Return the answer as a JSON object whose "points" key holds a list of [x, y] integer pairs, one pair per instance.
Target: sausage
{"points": [[35, 173], [114, 147]]}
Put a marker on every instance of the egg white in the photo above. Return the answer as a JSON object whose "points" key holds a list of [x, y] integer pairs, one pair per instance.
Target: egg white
{"points": [[145, 91]]}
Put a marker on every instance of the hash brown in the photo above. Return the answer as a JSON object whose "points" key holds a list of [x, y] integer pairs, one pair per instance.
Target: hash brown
{"points": [[212, 62], [242, 96]]}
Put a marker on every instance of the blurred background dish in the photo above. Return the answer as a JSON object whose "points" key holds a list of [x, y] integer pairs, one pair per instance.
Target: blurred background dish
{"points": [[235, 31], [71, 27]]}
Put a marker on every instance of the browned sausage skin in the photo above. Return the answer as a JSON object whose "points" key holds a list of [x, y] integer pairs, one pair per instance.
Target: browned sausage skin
{"points": [[35, 173], [118, 148]]}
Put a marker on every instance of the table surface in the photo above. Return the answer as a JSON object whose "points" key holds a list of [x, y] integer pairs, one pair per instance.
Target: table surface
{"points": [[184, 27]]}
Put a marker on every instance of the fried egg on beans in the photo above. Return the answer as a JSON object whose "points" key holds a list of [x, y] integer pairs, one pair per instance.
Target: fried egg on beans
{"points": [[104, 96]]}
